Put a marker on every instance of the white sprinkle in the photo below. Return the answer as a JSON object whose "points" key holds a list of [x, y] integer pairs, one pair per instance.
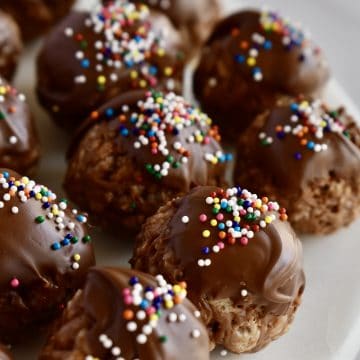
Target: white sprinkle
{"points": [[185, 219], [197, 313], [116, 351], [75, 266], [195, 333], [141, 338], [182, 317], [141, 315], [223, 353], [69, 32], [15, 210], [13, 140], [212, 82], [131, 326], [147, 329], [244, 292], [1, 204], [172, 317]]}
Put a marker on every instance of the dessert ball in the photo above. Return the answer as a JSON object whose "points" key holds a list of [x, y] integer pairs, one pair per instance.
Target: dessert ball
{"points": [[194, 19], [249, 60], [125, 314], [239, 256], [5, 353], [19, 143], [139, 151], [10, 45], [35, 17], [306, 156], [45, 253], [91, 57]]}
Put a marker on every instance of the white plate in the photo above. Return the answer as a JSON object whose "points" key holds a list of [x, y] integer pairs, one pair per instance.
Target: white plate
{"points": [[327, 326]]}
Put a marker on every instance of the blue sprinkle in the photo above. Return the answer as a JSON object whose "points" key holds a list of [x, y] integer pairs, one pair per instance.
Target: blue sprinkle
{"points": [[297, 156], [55, 246], [80, 218], [65, 242], [133, 280], [6, 174], [221, 226], [144, 304], [294, 107], [109, 112], [85, 63], [267, 45], [240, 58], [310, 145], [124, 132], [205, 250]]}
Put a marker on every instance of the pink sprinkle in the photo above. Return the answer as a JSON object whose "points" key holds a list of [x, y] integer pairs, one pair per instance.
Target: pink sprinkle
{"points": [[206, 140], [202, 217], [244, 240], [221, 245], [126, 291], [220, 217], [128, 300], [14, 283], [242, 212], [151, 310]]}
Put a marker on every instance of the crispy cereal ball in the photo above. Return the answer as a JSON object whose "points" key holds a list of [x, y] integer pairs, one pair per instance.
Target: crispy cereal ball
{"points": [[239, 256], [125, 314], [45, 254], [306, 155], [250, 59], [139, 151], [90, 57]]}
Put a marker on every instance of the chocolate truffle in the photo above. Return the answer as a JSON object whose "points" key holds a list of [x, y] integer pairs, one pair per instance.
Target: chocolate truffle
{"points": [[239, 256], [91, 57], [249, 60], [19, 143], [5, 353], [45, 253], [10, 45], [307, 157], [35, 17], [125, 314], [194, 19], [139, 151]]}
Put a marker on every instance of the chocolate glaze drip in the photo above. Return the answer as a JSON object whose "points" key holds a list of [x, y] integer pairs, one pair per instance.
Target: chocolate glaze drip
{"points": [[235, 97], [70, 102], [19, 144], [104, 306], [196, 171], [277, 160], [269, 267], [34, 278]]}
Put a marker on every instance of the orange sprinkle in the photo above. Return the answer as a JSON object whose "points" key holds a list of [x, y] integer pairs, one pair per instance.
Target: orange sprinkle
{"points": [[94, 115], [128, 314], [244, 45]]}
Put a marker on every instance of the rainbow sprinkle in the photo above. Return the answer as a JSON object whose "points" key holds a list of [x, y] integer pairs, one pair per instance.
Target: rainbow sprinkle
{"points": [[159, 117], [125, 40], [309, 122], [270, 23], [237, 215], [25, 190]]}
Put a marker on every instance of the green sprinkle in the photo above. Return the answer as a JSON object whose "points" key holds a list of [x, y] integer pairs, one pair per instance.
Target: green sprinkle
{"points": [[86, 239], [40, 219], [163, 338], [74, 240]]}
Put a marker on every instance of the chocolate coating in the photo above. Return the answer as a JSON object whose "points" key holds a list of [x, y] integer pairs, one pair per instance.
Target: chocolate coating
{"points": [[19, 143], [123, 183], [36, 279], [10, 45], [35, 17], [102, 317], [194, 19], [268, 268], [249, 60], [73, 80], [329, 155]]}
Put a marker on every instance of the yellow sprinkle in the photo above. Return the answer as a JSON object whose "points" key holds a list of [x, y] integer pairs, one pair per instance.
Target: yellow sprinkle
{"points": [[38, 196], [177, 289], [206, 233], [213, 222], [169, 304], [216, 200], [77, 257], [268, 219], [143, 83], [217, 206], [214, 160], [25, 180], [55, 211], [161, 52], [134, 74], [168, 71], [237, 218], [17, 183], [101, 79], [251, 61], [2, 90]]}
